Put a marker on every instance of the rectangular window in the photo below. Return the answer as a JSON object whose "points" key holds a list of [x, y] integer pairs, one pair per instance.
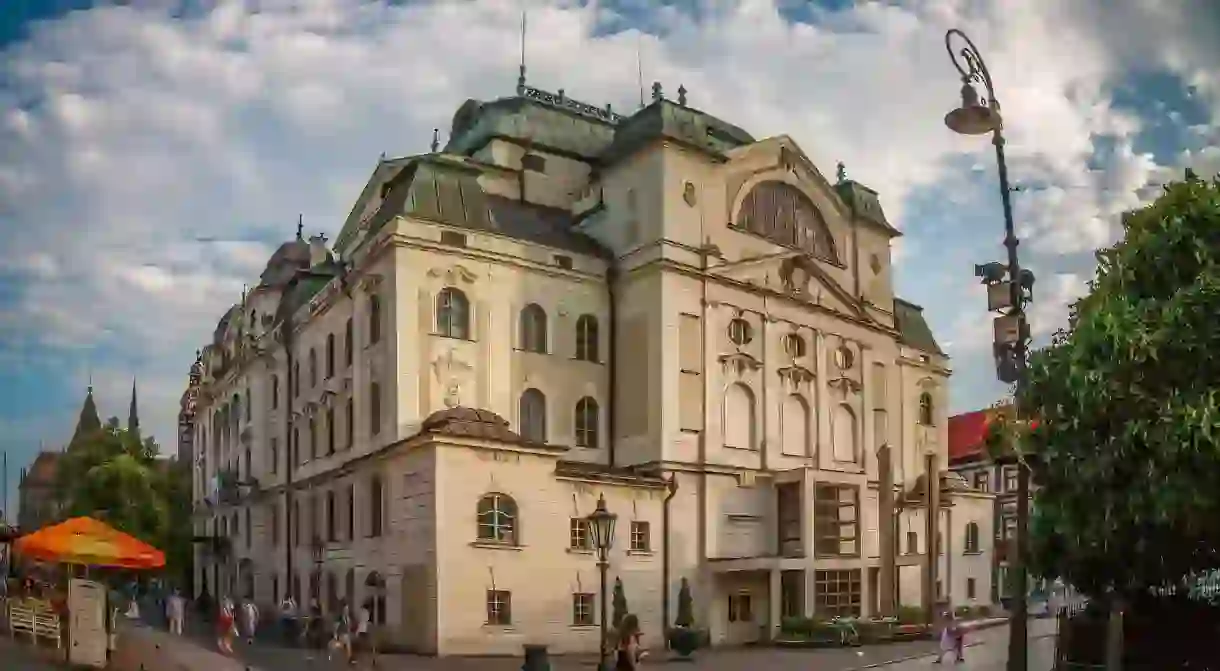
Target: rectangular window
{"points": [[275, 525], [374, 409], [1010, 479], [376, 505], [275, 456], [582, 610], [330, 431], [347, 343], [578, 534], [912, 542], [835, 521], [313, 438], [533, 163], [330, 518], [982, 482], [349, 425], [249, 529], [641, 537], [295, 448], [564, 262], [296, 524], [453, 239], [837, 593], [351, 512], [741, 607], [969, 588], [499, 607]]}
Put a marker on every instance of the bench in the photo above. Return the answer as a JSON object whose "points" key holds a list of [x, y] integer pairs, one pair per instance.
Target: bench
{"points": [[37, 622]]}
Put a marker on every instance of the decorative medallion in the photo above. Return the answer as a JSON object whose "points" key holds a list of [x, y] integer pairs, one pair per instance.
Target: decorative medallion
{"points": [[740, 332], [450, 373], [874, 263], [688, 194], [739, 363], [794, 345]]}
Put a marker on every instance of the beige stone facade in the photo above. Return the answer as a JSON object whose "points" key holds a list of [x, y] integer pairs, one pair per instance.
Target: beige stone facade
{"points": [[565, 304]]}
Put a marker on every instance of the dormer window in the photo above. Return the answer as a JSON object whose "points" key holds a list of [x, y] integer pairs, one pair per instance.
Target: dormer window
{"points": [[533, 163]]}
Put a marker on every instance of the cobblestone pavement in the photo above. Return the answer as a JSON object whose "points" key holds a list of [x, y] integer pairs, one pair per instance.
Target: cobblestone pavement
{"points": [[23, 656], [987, 650]]}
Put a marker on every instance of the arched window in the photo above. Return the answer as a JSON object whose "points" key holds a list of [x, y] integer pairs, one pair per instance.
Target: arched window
{"points": [[296, 379], [275, 392], [347, 343], [330, 356], [926, 414], [313, 438], [374, 409], [533, 416], [452, 314], [843, 432], [587, 418], [782, 214], [586, 339], [533, 328], [737, 421], [376, 506], [794, 426], [972, 537], [374, 318], [313, 368], [497, 519]]}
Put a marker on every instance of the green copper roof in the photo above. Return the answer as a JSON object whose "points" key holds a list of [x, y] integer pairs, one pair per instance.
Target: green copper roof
{"points": [[913, 329], [664, 119], [864, 204], [549, 127], [447, 191]]}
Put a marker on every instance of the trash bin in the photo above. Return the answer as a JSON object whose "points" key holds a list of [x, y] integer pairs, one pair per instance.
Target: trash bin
{"points": [[536, 658]]}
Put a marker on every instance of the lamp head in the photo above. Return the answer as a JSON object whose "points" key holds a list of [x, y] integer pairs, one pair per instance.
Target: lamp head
{"points": [[973, 117]]}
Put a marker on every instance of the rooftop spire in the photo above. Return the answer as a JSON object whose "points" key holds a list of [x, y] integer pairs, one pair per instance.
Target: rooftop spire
{"points": [[133, 415], [88, 421], [300, 226], [521, 67]]}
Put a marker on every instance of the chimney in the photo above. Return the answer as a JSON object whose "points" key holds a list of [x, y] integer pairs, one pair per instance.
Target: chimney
{"points": [[318, 253]]}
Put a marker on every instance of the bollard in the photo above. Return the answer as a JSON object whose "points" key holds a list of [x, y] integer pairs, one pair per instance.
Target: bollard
{"points": [[536, 658]]}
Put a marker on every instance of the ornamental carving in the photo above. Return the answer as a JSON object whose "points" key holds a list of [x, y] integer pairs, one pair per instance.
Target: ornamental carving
{"points": [[739, 362], [451, 373], [796, 375], [454, 274]]}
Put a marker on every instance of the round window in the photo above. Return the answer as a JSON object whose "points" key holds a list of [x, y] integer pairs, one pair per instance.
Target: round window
{"points": [[794, 345], [740, 331], [845, 358]]}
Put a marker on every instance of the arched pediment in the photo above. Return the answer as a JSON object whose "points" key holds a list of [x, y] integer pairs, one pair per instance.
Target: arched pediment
{"points": [[781, 213]]}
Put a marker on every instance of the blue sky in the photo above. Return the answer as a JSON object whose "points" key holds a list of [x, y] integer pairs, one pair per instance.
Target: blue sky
{"points": [[151, 156]]}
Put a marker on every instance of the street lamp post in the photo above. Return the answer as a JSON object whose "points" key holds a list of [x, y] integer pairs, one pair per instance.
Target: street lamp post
{"points": [[1009, 289], [601, 532]]}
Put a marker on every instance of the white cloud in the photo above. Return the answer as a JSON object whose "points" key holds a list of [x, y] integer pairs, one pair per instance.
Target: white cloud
{"points": [[131, 135]]}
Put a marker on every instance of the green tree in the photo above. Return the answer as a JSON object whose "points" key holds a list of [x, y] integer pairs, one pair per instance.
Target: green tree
{"points": [[1126, 445], [618, 604], [111, 473]]}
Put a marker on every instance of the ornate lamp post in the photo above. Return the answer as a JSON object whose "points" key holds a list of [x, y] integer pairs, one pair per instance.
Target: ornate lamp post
{"points": [[1009, 289], [601, 532]]}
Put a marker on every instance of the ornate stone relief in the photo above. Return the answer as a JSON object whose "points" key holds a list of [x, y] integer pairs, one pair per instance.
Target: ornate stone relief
{"points": [[795, 376], [370, 283], [454, 274], [739, 362], [451, 373]]}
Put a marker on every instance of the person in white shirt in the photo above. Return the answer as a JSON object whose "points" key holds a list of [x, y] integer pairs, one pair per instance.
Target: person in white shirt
{"points": [[250, 618], [175, 612], [362, 644]]}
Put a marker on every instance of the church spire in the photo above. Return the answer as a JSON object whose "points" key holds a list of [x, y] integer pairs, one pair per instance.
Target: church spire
{"points": [[133, 416], [89, 420]]}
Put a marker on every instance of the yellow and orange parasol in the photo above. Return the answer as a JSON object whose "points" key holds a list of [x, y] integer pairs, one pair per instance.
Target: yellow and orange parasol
{"points": [[89, 542]]}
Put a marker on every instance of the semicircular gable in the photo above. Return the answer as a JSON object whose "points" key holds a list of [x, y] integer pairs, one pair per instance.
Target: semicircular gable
{"points": [[780, 213]]}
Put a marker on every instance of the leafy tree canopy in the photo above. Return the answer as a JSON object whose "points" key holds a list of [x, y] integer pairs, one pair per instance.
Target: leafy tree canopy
{"points": [[1127, 441]]}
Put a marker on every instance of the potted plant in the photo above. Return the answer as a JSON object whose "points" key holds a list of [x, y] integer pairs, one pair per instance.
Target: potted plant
{"points": [[684, 639]]}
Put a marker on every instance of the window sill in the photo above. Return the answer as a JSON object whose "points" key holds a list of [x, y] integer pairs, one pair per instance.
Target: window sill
{"points": [[529, 351], [492, 545], [449, 337], [500, 628], [640, 553], [972, 553], [579, 551], [592, 361], [583, 627]]}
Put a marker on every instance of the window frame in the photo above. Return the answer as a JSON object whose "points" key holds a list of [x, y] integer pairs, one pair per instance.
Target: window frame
{"points": [[499, 608], [532, 327], [532, 415], [453, 314], [504, 527], [588, 339], [587, 435], [640, 538], [823, 521], [584, 609], [578, 535], [847, 603]]}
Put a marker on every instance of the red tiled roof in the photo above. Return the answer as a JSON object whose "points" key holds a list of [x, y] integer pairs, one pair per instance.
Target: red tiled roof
{"points": [[966, 433]]}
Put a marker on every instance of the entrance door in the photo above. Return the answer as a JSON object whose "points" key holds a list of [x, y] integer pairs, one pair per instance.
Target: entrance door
{"points": [[744, 617], [874, 591]]}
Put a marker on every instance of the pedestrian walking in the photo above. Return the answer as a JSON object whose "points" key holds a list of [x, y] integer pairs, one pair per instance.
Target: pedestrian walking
{"points": [[951, 638], [250, 618], [175, 612], [225, 626]]}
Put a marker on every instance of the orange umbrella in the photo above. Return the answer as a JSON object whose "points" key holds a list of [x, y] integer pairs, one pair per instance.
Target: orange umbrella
{"points": [[89, 542]]}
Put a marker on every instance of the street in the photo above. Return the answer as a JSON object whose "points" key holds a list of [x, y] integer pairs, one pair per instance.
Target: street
{"points": [[986, 651], [21, 656]]}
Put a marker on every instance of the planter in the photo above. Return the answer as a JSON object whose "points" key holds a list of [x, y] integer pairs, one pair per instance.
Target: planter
{"points": [[684, 641]]}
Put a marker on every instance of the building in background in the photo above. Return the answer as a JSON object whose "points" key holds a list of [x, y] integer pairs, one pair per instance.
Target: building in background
{"points": [[566, 303], [968, 457]]}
